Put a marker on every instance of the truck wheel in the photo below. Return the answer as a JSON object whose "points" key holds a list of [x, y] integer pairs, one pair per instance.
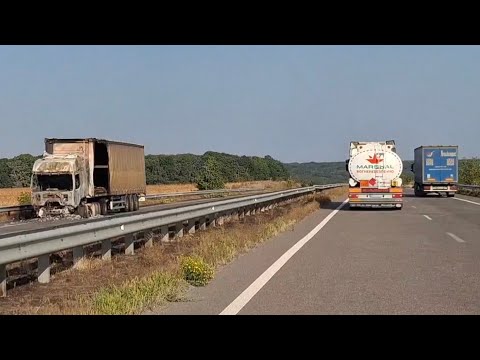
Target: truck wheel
{"points": [[451, 194], [136, 203], [128, 203], [416, 191], [83, 211], [103, 207]]}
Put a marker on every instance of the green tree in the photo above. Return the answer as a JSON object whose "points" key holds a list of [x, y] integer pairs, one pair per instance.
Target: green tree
{"points": [[209, 177], [20, 169], [5, 179], [406, 178], [469, 171]]}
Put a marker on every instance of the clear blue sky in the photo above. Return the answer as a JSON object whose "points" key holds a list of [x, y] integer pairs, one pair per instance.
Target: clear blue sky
{"points": [[295, 103]]}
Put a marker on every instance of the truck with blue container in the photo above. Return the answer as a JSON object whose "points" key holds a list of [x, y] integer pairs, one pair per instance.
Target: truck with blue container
{"points": [[436, 170]]}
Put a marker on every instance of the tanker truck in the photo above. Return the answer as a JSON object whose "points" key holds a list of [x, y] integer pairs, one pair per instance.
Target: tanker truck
{"points": [[374, 169], [88, 177]]}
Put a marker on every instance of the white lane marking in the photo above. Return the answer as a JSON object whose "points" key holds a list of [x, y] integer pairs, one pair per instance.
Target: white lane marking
{"points": [[471, 202], [260, 282], [455, 237], [428, 217], [414, 207]]}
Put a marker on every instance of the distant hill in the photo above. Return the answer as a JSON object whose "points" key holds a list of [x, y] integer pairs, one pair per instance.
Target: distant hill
{"points": [[326, 172]]}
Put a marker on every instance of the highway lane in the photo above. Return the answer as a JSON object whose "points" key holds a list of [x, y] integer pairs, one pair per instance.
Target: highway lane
{"points": [[423, 259], [8, 229]]}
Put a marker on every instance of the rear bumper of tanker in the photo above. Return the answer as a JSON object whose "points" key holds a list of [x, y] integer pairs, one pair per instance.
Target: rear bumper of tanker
{"points": [[376, 204], [375, 200]]}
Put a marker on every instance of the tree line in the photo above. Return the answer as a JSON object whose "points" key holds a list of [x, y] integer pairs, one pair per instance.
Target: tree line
{"points": [[210, 170]]}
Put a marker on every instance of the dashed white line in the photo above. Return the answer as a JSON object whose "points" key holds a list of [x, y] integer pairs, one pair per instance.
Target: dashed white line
{"points": [[260, 282], [471, 202], [428, 217], [455, 237], [413, 206]]}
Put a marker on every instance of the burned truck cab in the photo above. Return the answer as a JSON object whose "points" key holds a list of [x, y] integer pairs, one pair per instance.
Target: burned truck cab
{"points": [[57, 184]]}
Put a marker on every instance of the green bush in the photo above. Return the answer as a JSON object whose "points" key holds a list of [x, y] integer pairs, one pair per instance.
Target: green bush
{"points": [[196, 271], [24, 198], [290, 184], [210, 176], [469, 171]]}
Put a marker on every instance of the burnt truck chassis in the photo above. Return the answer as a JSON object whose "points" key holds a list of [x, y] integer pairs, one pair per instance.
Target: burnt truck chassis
{"points": [[57, 207]]}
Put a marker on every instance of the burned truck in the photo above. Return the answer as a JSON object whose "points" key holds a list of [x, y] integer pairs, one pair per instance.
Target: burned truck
{"points": [[88, 177]]}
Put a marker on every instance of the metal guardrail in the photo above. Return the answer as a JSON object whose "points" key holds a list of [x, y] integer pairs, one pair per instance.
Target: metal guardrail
{"points": [[8, 209], [23, 246], [469, 187]]}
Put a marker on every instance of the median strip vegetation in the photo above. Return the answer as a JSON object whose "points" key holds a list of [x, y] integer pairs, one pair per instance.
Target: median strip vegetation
{"points": [[162, 273]]}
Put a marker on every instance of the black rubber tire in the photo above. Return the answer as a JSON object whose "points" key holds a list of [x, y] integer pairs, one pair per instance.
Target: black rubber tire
{"points": [[136, 203], [128, 203], [103, 207], [83, 211]]}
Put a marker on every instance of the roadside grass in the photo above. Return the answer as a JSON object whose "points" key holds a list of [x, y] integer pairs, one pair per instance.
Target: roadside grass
{"points": [[162, 273]]}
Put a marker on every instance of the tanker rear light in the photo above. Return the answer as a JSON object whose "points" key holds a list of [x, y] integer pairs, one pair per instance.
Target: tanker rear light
{"points": [[353, 196], [397, 195]]}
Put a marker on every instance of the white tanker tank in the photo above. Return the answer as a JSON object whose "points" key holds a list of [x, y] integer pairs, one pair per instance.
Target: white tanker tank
{"points": [[375, 169]]}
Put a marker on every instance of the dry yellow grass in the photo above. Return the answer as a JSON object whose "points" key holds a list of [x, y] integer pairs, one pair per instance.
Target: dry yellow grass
{"points": [[9, 197], [260, 185], [170, 188], [129, 284]]}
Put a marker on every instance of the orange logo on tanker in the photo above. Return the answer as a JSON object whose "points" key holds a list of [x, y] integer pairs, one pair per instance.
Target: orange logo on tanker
{"points": [[374, 160]]}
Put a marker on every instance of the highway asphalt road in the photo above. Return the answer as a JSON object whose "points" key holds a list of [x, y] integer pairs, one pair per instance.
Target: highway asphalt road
{"points": [[424, 259]]}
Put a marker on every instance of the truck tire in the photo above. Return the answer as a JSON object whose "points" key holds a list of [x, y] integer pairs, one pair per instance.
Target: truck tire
{"points": [[450, 194], [418, 192], [128, 203], [103, 207], [83, 211], [136, 203], [415, 190]]}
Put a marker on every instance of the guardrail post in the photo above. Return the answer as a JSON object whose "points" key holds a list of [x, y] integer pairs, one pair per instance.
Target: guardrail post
{"points": [[3, 280], [242, 213], [203, 224], [107, 249], [212, 221], [220, 220], [179, 230], [247, 213], [148, 236], [44, 269], [129, 244], [191, 226], [165, 235], [78, 254]]}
